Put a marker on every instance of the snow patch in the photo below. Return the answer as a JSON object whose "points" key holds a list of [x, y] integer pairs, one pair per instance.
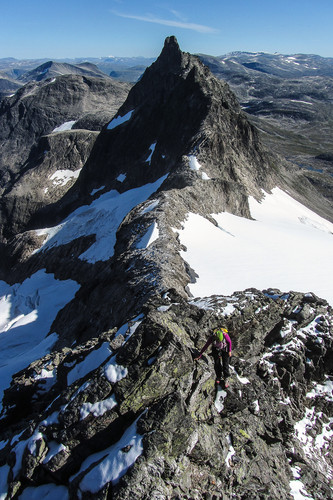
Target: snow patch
{"points": [[152, 149], [129, 328], [61, 177], [121, 177], [325, 389], [113, 462], [119, 120], [92, 361], [64, 126], [150, 207], [54, 449], [49, 378], [102, 218], [195, 165], [219, 400], [149, 237], [27, 311], [316, 447], [94, 191], [113, 371], [46, 491], [297, 489], [99, 408], [231, 452]]}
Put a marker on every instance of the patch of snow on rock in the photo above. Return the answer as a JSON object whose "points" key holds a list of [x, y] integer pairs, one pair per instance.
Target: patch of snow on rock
{"points": [[92, 361], [99, 408], [121, 177], [152, 149], [150, 207], [54, 449], [102, 218], [119, 120], [64, 126], [27, 311], [46, 491], [219, 400], [195, 165], [94, 191], [151, 235], [113, 371], [61, 177], [112, 463]]}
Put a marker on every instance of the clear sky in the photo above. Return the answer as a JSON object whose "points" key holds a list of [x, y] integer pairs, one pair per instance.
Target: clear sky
{"points": [[93, 28]]}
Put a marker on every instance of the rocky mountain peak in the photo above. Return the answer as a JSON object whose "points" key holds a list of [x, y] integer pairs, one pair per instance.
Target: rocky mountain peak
{"points": [[171, 52], [103, 394], [173, 60]]}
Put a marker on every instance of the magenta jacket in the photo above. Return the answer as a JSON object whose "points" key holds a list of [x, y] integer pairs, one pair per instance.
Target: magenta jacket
{"points": [[223, 346]]}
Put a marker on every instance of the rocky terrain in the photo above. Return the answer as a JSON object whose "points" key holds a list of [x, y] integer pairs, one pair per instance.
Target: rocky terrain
{"points": [[135, 400], [101, 393], [289, 99], [41, 139]]}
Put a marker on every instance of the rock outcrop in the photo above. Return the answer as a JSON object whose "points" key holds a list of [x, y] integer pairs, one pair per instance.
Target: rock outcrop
{"points": [[130, 414], [40, 107]]}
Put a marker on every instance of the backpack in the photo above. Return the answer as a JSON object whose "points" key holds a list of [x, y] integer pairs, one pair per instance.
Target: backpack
{"points": [[219, 341]]}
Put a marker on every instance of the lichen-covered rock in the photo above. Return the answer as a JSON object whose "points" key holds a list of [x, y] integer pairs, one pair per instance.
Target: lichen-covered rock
{"points": [[144, 419]]}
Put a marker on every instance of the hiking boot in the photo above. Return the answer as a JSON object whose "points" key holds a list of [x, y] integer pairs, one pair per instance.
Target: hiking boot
{"points": [[226, 384]]}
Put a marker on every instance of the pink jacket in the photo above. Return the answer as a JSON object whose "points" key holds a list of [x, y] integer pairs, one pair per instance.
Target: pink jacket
{"points": [[224, 345]]}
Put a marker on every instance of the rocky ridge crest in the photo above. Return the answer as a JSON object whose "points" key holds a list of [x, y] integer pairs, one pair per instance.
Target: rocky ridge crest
{"points": [[136, 397]]}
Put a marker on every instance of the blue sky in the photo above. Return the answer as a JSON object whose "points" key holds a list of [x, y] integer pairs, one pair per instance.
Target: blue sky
{"points": [[86, 28]]}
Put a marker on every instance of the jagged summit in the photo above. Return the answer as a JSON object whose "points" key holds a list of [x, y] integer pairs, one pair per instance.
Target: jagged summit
{"points": [[178, 116], [171, 54], [180, 107]]}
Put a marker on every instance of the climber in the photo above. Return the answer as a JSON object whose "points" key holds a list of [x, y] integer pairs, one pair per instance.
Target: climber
{"points": [[221, 353]]}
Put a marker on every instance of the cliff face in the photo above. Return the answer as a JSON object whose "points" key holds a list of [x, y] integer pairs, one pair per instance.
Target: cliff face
{"points": [[101, 394]]}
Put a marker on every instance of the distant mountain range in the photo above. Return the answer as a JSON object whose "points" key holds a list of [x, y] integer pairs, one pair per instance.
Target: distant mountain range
{"points": [[289, 98]]}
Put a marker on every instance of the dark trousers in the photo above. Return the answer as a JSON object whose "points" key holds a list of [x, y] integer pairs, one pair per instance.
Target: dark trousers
{"points": [[221, 363]]}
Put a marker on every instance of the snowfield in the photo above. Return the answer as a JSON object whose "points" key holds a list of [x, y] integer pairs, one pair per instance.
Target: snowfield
{"points": [[27, 312], [287, 246], [61, 177], [102, 218]]}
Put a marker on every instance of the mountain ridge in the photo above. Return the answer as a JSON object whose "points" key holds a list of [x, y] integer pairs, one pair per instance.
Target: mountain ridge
{"points": [[102, 396]]}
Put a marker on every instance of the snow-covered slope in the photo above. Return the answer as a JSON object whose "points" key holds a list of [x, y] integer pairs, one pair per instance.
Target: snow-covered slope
{"points": [[27, 311], [286, 246], [102, 218]]}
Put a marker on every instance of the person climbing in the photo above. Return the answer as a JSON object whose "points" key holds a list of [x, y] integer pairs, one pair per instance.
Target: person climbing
{"points": [[221, 353]]}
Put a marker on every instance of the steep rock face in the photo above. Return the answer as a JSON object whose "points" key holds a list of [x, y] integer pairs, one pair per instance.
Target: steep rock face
{"points": [[131, 414], [289, 98], [38, 108], [51, 169], [180, 108]]}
